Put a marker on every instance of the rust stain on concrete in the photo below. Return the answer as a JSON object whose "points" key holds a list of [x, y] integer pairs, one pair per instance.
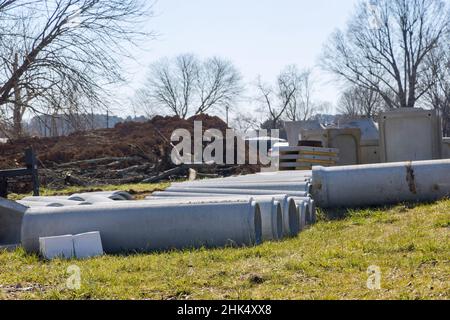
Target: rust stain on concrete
{"points": [[411, 178]]}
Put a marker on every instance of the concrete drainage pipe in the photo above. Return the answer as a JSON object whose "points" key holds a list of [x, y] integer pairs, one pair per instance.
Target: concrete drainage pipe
{"points": [[233, 191], [281, 186], [140, 227], [381, 184], [291, 223]]}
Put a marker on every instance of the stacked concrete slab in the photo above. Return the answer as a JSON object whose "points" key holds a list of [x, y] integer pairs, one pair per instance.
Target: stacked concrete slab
{"points": [[304, 158]]}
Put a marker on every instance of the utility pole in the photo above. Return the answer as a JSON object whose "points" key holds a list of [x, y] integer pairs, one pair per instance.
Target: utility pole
{"points": [[227, 108]]}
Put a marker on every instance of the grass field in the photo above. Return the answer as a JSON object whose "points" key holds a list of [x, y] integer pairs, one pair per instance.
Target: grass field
{"points": [[409, 244]]}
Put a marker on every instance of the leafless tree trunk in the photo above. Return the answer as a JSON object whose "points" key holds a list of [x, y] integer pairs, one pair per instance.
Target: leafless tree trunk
{"points": [[291, 98], [438, 97], [389, 56], [302, 107], [276, 101]]}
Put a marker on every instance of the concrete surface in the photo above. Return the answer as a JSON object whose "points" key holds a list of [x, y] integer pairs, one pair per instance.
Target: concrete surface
{"points": [[410, 135]]}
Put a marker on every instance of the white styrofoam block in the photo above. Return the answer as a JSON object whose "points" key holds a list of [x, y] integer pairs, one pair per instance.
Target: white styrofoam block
{"points": [[88, 245], [57, 247]]}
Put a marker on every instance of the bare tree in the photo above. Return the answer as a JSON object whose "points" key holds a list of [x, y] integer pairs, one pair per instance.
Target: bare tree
{"points": [[55, 50], [245, 122], [360, 102], [185, 85], [438, 97], [385, 48], [6, 4], [291, 98], [219, 84], [275, 101], [302, 107]]}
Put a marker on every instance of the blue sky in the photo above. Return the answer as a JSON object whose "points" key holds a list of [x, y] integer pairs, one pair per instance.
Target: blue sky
{"points": [[259, 36]]}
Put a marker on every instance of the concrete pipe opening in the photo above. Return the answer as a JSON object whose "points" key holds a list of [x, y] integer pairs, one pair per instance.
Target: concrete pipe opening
{"points": [[291, 220], [303, 213], [278, 225], [11, 216], [256, 210]]}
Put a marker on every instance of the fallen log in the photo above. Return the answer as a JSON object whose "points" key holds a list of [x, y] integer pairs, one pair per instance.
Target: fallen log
{"points": [[175, 171], [97, 161]]}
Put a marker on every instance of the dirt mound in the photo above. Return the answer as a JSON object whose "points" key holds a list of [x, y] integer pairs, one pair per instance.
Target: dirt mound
{"points": [[142, 146]]}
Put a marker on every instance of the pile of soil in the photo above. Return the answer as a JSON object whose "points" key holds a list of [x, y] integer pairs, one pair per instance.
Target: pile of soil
{"points": [[128, 153]]}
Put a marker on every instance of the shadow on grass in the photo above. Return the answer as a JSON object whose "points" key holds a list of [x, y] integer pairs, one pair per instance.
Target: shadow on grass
{"points": [[336, 214]]}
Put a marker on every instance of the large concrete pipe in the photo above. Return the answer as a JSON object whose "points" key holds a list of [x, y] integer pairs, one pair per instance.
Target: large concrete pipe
{"points": [[249, 179], [11, 215], [281, 186], [235, 191], [140, 227], [290, 222], [381, 184]]}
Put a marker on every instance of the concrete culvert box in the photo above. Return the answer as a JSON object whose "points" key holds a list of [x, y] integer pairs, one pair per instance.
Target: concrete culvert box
{"points": [[370, 138], [294, 130], [348, 141], [410, 135]]}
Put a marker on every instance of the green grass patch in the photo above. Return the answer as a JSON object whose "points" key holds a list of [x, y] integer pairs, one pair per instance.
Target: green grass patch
{"points": [[139, 190], [409, 244]]}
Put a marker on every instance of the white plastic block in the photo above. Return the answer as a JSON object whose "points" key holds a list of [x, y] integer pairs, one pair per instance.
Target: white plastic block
{"points": [[88, 245], [57, 247]]}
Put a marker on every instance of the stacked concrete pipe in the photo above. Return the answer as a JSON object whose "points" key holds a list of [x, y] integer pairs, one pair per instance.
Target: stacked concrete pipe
{"points": [[272, 210], [233, 191], [267, 177], [142, 226], [381, 184], [279, 186], [310, 214]]}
